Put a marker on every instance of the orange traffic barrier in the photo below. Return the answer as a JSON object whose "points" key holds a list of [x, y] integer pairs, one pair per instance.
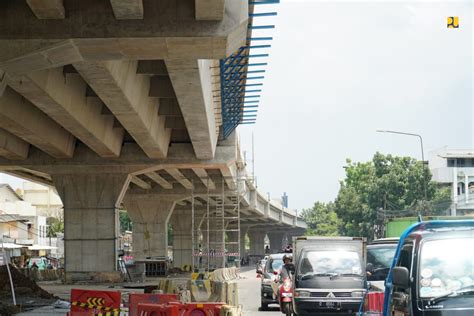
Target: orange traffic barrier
{"points": [[87, 302], [144, 309], [134, 299]]}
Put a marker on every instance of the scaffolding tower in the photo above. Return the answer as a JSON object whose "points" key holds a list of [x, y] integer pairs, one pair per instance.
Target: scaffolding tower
{"points": [[216, 231]]}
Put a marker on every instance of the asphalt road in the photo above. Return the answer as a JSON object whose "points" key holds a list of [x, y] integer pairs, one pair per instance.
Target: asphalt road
{"points": [[249, 294]]}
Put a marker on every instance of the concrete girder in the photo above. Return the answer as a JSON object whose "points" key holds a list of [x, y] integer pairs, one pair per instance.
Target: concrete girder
{"points": [[63, 98], [171, 32], [132, 160], [192, 83], [175, 123], [229, 174], [209, 10], [178, 176], [152, 68], [127, 9], [204, 177], [140, 183], [159, 179], [161, 87], [12, 147], [47, 9], [21, 118], [29, 177], [126, 95]]}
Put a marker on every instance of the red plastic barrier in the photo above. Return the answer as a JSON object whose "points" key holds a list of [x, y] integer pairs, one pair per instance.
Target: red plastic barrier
{"points": [[134, 299], [157, 310], [374, 301], [201, 309], [87, 302]]}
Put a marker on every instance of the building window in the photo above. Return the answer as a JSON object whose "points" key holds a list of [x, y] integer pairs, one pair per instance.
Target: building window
{"points": [[461, 162], [451, 162], [461, 188]]}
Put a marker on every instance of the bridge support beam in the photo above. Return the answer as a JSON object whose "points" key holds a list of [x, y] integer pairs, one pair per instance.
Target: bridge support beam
{"points": [[276, 241], [257, 242], [181, 220], [91, 224], [150, 215]]}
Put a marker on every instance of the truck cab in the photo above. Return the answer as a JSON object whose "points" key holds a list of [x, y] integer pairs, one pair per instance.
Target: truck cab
{"points": [[330, 274], [433, 271]]}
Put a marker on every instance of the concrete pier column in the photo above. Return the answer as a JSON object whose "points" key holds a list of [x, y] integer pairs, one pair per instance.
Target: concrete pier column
{"points": [[257, 242], [243, 233], [181, 220], [91, 224], [276, 241], [150, 215], [232, 239]]}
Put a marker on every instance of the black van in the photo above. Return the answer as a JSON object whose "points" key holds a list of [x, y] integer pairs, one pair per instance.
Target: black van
{"points": [[433, 271]]}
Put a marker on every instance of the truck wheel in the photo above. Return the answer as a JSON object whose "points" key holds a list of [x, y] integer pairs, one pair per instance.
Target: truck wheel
{"points": [[263, 306]]}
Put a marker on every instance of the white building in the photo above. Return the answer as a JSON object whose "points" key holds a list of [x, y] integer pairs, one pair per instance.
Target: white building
{"points": [[456, 169], [45, 199]]}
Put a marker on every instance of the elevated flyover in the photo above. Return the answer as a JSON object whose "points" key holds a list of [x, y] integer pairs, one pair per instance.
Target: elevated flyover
{"points": [[128, 103]]}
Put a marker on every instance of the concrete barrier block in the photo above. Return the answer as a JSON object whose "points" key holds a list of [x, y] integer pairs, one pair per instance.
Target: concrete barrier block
{"points": [[228, 310], [200, 290]]}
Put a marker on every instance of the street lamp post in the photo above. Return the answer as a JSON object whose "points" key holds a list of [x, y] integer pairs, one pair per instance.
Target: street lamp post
{"points": [[422, 155]]}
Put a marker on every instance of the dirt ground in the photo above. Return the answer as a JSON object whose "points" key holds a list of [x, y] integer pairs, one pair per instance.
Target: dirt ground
{"points": [[28, 294]]}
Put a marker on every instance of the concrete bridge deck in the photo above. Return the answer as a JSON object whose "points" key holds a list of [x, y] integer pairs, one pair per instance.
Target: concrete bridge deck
{"points": [[118, 103]]}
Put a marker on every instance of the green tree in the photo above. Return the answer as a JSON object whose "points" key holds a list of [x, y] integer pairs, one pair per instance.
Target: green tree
{"points": [[322, 219], [125, 221], [388, 183], [55, 226]]}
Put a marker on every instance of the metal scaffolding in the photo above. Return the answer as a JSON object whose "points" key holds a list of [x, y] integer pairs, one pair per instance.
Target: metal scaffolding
{"points": [[216, 228]]}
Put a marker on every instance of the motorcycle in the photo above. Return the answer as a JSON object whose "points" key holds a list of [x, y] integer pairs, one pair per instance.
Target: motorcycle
{"points": [[285, 294]]}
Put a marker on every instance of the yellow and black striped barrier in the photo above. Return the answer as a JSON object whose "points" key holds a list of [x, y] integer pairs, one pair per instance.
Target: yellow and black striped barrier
{"points": [[102, 310]]}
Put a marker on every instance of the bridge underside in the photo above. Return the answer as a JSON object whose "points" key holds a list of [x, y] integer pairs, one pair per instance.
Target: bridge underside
{"points": [[113, 103]]}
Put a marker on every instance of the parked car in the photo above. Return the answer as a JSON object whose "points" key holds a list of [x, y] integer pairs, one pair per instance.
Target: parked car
{"points": [[269, 276], [380, 254], [433, 271]]}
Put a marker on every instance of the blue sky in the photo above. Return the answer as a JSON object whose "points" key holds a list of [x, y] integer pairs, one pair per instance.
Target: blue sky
{"points": [[339, 70]]}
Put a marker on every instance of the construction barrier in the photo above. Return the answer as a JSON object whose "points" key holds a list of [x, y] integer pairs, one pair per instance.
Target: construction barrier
{"points": [[224, 292], [167, 286], [200, 276], [134, 299], [87, 302], [224, 274], [157, 310], [200, 290], [228, 310], [374, 302], [207, 309]]}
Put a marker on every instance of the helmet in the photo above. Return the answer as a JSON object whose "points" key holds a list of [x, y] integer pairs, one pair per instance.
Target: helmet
{"points": [[288, 256]]}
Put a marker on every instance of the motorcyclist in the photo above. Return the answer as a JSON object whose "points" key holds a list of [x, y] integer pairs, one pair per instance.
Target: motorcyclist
{"points": [[288, 266]]}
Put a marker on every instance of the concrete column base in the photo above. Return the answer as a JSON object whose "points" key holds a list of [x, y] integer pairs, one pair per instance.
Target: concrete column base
{"points": [[94, 277], [182, 238], [91, 224], [276, 242], [257, 243], [150, 215]]}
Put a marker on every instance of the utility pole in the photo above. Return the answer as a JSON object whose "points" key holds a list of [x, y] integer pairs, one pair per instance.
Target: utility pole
{"points": [[422, 161]]}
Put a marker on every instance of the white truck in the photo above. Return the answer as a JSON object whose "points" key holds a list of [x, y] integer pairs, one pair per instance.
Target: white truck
{"points": [[329, 275]]}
